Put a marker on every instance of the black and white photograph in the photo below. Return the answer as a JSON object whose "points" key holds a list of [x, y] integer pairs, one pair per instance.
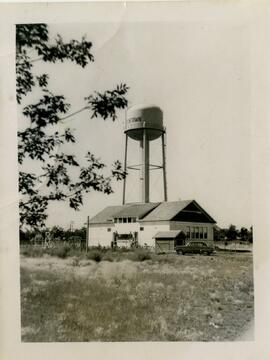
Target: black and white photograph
{"points": [[135, 157]]}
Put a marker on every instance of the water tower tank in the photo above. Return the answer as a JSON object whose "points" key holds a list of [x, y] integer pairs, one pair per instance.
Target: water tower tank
{"points": [[148, 119], [144, 123]]}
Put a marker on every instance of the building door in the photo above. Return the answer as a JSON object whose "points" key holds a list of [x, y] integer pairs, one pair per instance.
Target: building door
{"points": [[164, 245]]}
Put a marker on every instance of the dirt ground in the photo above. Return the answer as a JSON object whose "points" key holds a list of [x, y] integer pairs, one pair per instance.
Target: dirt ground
{"points": [[166, 298]]}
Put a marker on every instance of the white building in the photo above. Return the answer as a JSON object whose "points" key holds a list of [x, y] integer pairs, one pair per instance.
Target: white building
{"points": [[151, 224]]}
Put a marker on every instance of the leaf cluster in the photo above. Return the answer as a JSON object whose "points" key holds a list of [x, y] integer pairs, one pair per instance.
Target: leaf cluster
{"points": [[41, 140]]}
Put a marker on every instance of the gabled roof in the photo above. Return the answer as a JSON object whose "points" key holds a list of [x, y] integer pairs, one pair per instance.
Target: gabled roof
{"points": [[171, 234], [138, 210], [167, 210], [211, 220]]}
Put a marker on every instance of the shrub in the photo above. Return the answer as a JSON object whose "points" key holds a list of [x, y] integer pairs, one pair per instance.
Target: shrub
{"points": [[141, 255], [32, 251], [124, 249], [61, 252], [108, 258], [95, 255], [76, 262]]}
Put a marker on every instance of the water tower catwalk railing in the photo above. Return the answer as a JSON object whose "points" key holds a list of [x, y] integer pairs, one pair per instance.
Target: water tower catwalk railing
{"points": [[145, 124]]}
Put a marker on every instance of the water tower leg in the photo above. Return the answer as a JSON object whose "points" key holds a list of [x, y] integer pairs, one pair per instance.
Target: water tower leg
{"points": [[145, 167], [164, 168], [125, 170]]}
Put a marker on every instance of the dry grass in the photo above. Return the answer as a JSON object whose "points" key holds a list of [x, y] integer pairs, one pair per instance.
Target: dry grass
{"points": [[166, 298]]}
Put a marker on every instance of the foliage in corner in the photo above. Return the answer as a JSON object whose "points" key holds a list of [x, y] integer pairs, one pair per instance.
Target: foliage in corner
{"points": [[40, 140]]}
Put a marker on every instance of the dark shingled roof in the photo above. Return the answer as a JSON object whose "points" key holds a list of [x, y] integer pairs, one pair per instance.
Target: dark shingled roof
{"points": [[167, 210]]}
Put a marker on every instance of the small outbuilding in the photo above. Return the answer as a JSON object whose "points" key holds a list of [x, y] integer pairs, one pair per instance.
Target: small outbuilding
{"points": [[165, 241]]}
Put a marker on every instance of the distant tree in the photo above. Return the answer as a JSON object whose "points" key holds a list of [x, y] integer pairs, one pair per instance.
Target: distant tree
{"points": [[57, 232], [231, 233], [217, 233], [244, 234], [80, 232], [250, 235], [23, 237], [41, 140], [26, 236]]}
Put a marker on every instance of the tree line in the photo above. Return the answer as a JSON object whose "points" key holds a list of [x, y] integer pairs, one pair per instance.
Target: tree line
{"points": [[55, 235], [232, 233]]}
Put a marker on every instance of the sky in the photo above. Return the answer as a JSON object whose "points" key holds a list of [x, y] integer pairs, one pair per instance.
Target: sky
{"points": [[198, 73]]}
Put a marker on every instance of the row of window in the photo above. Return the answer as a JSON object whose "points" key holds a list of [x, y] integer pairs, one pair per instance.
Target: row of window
{"points": [[192, 232], [125, 220], [196, 232], [110, 229]]}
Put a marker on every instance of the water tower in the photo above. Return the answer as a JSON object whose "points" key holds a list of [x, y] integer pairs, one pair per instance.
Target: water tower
{"points": [[145, 124]]}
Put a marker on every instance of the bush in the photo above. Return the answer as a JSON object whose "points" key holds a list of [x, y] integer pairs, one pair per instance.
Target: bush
{"points": [[32, 251], [95, 255], [61, 252], [141, 255], [108, 257], [124, 249], [76, 262]]}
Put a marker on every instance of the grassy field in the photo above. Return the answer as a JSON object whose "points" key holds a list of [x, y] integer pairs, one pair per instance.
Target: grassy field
{"points": [[123, 298]]}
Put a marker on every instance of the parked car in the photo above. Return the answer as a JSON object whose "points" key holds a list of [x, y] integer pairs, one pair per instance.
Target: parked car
{"points": [[195, 247]]}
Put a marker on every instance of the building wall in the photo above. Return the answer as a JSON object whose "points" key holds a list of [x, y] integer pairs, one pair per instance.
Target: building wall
{"points": [[178, 225], [149, 231], [125, 228], [99, 235]]}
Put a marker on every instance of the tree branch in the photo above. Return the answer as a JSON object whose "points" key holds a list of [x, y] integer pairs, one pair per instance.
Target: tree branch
{"points": [[34, 60], [75, 113]]}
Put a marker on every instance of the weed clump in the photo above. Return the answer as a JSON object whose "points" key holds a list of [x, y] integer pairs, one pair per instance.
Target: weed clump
{"points": [[108, 257], [141, 255], [95, 255], [61, 252], [32, 251]]}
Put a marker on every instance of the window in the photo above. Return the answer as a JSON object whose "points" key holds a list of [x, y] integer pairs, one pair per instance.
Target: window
{"points": [[193, 233], [109, 229], [201, 232], [188, 232], [124, 220], [133, 220], [141, 228], [197, 232], [205, 233], [115, 220], [129, 220]]}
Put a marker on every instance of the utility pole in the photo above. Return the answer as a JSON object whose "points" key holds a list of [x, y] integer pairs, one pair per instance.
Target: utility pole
{"points": [[87, 234], [164, 166], [71, 226]]}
